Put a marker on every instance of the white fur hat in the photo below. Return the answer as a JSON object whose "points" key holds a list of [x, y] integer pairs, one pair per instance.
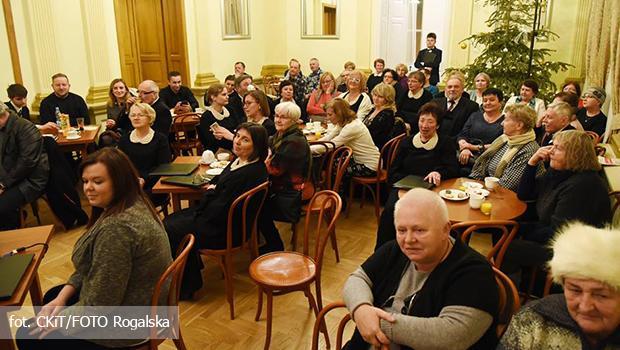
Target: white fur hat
{"points": [[584, 251]]}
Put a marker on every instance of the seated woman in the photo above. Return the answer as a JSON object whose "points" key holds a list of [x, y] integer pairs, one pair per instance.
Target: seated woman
{"points": [[482, 81], [117, 109], [481, 129], [208, 219], [319, 97], [341, 82], [587, 315], [24, 166], [256, 108], [427, 86], [402, 70], [590, 116], [410, 103], [571, 189], [288, 166], [287, 94], [216, 116], [351, 132], [573, 87], [358, 100], [380, 119], [146, 148], [118, 260], [390, 77], [425, 154], [507, 156], [527, 95]]}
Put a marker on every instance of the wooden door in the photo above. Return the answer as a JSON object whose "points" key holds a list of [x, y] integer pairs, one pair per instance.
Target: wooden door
{"points": [[151, 37]]}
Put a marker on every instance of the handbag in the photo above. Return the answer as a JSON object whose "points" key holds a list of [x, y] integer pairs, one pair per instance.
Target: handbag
{"points": [[286, 205]]}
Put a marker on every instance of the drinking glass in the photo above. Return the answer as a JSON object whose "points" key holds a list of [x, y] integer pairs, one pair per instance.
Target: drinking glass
{"points": [[80, 123]]}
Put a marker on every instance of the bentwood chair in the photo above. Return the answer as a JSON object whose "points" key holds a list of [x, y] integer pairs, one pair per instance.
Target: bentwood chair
{"points": [[388, 153], [185, 135], [280, 273], [249, 207], [320, 321], [508, 229], [171, 277], [509, 302]]}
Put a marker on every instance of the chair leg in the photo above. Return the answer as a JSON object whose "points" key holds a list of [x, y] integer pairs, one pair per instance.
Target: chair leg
{"points": [[269, 317], [179, 343], [351, 189], [377, 201], [294, 236], [333, 240], [308, 294], [259, 310], [34, 205], [363, 199], [228, 280]]}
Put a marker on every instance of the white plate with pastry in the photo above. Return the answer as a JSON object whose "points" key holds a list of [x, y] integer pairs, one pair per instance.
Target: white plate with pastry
{"points": [[454, 195]]}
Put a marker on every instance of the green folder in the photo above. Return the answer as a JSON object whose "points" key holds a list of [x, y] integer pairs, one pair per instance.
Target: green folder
{"points": [[12, 269], [174, 169], [189, 180], [412, 181]]}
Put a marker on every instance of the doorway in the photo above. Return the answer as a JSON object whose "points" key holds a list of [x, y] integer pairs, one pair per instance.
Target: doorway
{"points": [[151, 39]]}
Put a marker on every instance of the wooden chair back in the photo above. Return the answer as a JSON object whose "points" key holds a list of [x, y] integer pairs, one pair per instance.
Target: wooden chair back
{"points": [[319, 162], [185, 134], [509, 302], [320, 319], [173, 275], [388, 154], [508, 229], [244, 202], [337, 166]]}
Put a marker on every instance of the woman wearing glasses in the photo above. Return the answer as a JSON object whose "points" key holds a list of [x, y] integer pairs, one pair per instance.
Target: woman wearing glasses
{"points": [[358, 100]]}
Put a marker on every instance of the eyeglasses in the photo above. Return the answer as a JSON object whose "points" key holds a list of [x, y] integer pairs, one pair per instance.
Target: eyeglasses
{"points": [[355, 80], [247, 103], [145, 92]]}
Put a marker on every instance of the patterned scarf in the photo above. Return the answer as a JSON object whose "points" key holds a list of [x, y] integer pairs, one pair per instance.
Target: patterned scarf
{"points": [[514, 145]]}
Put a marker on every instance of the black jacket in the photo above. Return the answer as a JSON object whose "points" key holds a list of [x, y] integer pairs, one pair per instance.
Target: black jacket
{"points": [[421, 61], [452, 122], [23, 161], [73, 105], [170, 98], [163, 117], [24, 112]]}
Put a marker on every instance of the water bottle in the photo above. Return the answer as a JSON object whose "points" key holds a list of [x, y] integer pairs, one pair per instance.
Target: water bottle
{"points": [[58, 121]]}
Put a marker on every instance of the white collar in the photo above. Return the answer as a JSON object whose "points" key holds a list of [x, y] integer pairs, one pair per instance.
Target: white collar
{"points": [[428, 145], [17, 109], [133, 137], [218, 115], [236, 164], [417, 94]]}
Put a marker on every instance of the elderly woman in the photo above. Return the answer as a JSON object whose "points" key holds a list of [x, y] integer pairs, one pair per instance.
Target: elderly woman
{"points": [[24, 167], [482, 128], [117, 110], [350, 131], [215, 118], [410, 103], [482, 81], [342, 81], [527, 96], [118, 260], [587, 316], [380, 119], [358, 100], [573, 87], [146, 148], [425, 290], [571, 189], [319, 97], [288, 166], [208, 220], [425, 154], [508, 155], [402, 70], [390, 77], [376, 77]]}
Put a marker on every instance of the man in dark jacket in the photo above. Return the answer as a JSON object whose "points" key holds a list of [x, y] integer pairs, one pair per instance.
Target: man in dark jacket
{"points": [[66, 102], [24, 166], [17, 100], [430, 58], [457, 108], [177, 96]]}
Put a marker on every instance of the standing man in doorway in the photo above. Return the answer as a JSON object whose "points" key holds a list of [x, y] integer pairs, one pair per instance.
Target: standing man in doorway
{"points": [[177, 96], [430, 58]]}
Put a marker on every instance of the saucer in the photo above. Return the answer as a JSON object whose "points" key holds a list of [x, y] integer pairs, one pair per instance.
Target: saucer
{"points": [[74, 137]]}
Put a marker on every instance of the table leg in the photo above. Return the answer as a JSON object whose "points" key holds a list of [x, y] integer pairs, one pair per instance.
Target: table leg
{"points": [[84, 152], [8, 343], [35, 294], [176, 203]]}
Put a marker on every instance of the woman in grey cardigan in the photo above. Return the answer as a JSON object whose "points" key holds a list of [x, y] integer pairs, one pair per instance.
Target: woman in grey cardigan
{"points": [[118, 260]]}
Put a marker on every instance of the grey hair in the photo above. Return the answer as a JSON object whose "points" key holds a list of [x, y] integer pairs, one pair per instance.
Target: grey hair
{"points": [[423, 197], [152, 85], [290, 109]]}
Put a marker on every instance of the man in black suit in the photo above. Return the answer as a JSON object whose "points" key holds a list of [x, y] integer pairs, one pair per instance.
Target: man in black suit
{"points": [[557, 118], [149, 93], [17, 100], [430, 58], [457, 108], [177, 96]]}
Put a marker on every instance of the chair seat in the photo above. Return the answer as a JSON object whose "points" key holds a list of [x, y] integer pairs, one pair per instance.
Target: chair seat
{"points": [[371, 180], [317, 204], [282, 269]]}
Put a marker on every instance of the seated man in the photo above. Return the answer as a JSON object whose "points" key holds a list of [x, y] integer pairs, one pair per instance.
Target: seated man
{"points": [[149, 93], [24, 166], [177, 96], [424, 290], [557, 118], [17, 100], [67, 102]]}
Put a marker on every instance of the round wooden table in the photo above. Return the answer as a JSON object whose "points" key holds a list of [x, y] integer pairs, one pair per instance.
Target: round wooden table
{"points": [[506, 205]]}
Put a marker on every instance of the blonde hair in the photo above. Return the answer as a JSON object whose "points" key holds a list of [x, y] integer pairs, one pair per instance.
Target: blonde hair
{"points": [[579, 150], [145, 109], [523, 114], [342, 110], [362, 78], [401, 65], [322, 80], [388, 93]]}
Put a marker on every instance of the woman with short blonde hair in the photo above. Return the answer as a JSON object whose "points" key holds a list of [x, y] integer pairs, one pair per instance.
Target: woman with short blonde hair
{"points": [[482, 81], [380, 119], [359, 101]]}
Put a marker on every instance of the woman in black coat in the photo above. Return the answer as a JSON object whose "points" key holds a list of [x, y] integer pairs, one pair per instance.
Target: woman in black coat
{"points": [[380, 119], [208, 220], [216, 118], [425, 154], [570, 190]]}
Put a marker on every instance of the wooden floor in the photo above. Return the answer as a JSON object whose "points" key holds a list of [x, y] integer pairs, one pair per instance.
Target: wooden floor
{"points": [[205, 320]]}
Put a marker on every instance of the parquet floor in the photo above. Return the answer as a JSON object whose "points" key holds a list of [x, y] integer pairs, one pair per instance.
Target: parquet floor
{"points": [[205, 320]]}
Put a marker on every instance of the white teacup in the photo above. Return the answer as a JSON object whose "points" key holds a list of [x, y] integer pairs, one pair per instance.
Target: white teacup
{"points": [[72, 133], [475, 200], [207, 157], [491, 182], [223, 157]]}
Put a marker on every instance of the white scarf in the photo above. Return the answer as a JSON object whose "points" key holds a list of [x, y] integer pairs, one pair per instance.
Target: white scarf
{"points": [[133, 137], [429, 145]]}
